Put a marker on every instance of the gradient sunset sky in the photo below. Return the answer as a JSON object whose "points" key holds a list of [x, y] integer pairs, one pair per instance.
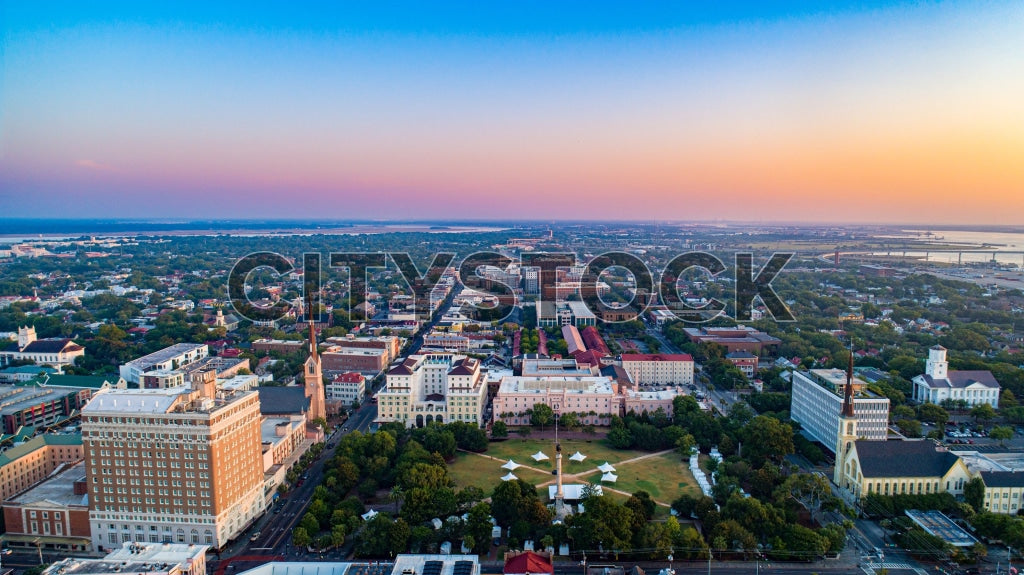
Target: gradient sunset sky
{"points": [[818, 111]]}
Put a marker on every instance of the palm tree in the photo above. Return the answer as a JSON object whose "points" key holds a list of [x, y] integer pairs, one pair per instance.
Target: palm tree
{"points": [[396, 495]]}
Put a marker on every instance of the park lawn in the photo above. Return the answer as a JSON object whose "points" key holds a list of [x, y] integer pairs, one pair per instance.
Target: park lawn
{"points": [[665, 477], [596, 450], [471, 469]]}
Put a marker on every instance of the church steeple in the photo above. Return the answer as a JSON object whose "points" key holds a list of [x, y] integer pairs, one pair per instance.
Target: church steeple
{"points": [[848, 392], [313, 378], [847, 432]]}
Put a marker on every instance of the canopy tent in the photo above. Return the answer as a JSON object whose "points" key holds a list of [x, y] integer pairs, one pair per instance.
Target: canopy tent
{"points": [[509, 477], [511, 465], [606, 467], [539, 456], [369, 515], [577, 457], [609, 477]]}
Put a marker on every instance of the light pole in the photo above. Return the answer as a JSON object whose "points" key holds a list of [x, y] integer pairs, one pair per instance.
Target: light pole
{"points": [[670, 570]]}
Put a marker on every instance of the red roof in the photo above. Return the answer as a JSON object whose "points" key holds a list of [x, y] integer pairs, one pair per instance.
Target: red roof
{"points": [[657, 357], [528, 562], [350, 377]]}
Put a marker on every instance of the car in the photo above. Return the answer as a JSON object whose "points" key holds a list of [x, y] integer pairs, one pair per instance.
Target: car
{"points": [[255, 536], [5, 551]]}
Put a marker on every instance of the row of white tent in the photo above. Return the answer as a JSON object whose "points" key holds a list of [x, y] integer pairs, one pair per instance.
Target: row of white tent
{"points": [[700, 476], [605, 468]]}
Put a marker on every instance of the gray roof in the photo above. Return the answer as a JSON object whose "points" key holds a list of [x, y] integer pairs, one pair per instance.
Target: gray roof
{"points": [[962, 379], [1003, 478], [282, 400], [903, 459]]}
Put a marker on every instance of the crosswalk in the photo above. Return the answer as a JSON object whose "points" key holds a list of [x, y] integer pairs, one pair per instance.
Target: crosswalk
{"points": [[874, 568]]}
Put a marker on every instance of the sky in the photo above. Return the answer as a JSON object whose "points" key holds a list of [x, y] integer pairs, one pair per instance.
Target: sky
{"points": [[896, 112]]}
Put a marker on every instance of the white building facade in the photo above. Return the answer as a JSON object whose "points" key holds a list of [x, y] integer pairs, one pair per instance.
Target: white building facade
{"points": [[817, 402], [938, 384], [435, 387]]}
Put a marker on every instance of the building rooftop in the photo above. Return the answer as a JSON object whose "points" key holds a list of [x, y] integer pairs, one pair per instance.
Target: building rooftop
{"points": [[157, 401], [835, 381], [903, 458], [656, 357], [165, 354], [268, 427], [436, 565], [588, 384], [58, 489], [316, 568], [936, 523], [14, 399], [282, 400], [141, 558]]}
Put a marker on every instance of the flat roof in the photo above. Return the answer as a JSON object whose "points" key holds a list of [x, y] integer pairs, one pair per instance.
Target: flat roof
{"points": [[437, 564], [153, 401], [141, 558], [165, 354], [314, 568], [936, 523], [586, 384], [268, 427], [58, 489], [19, 398]]}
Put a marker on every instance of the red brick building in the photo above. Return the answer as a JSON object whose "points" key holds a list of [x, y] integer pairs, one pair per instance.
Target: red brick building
{"points": [[54, 512]]}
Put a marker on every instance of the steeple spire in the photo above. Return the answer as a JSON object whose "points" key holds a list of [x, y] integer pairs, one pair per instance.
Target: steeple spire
{"points": [[848, 392], [312, 329]]}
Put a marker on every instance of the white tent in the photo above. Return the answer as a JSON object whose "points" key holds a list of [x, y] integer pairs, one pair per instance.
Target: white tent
{"points": [[369, 515], [539, 456], [509, 477], [577, 457], [511, 465], [609, 477], [606, 468]]}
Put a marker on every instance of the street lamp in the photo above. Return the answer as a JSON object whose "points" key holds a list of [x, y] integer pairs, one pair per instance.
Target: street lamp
{"points": [[671, 571]]}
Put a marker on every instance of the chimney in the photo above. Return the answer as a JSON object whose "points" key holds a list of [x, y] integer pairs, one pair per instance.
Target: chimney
{"points": [[80, 487]]}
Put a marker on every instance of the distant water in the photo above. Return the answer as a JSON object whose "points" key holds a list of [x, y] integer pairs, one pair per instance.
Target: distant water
{"points": [[998, 243], [20, 230]]}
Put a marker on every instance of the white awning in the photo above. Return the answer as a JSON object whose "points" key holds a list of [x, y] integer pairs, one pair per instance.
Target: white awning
{"points": [[606, 467], [511, 465], [369, 515], [539, 456], [609, 477], [509, 477], [577, 457]]}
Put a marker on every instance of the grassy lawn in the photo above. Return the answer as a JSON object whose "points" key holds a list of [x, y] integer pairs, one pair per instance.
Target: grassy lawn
{"points": [[596, 451], [470, 469], [665, 477]]}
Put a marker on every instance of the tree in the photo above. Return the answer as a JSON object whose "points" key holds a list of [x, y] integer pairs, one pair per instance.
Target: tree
{"points": [[1007, 399], [974, 493], [1001, 433], [499, 430], [620, 438], [541, 415], [767, 438], [933, 413], [808, 489], [983, 412], [301, 537]]}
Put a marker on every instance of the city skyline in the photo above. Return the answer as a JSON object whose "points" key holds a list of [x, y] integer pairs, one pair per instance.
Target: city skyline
{"points": [[840, 112]]}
